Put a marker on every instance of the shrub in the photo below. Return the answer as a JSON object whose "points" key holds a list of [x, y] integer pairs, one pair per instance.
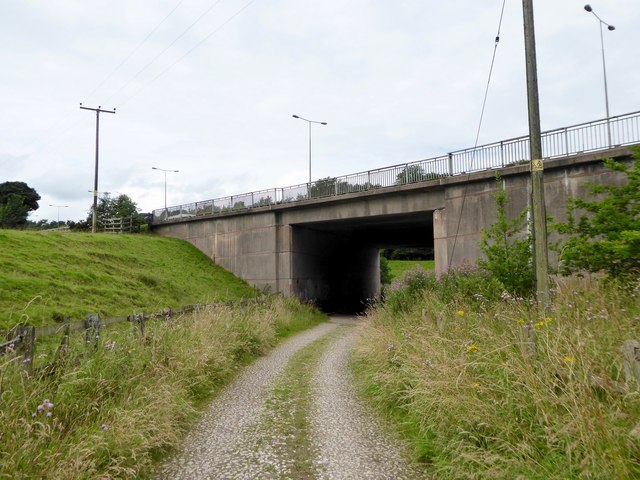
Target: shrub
{"points": [[507, 250], [606, 236]]}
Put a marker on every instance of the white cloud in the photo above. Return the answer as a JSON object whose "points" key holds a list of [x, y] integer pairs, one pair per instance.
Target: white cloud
{"points": [[396, 81]]}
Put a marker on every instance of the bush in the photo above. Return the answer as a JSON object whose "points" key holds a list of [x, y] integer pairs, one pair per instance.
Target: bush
{"points": [[507, 250], [606, 236]]}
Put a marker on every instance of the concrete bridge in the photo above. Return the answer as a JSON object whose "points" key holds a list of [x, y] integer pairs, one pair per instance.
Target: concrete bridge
{"points": [[322, 242]]}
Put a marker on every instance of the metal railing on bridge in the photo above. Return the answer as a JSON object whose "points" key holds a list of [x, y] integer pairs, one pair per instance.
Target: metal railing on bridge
{"points": [[597, 135]]}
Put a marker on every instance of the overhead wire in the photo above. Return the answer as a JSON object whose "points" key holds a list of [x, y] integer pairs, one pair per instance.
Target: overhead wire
{"points": [[153, 60], [144, 40], [220, 27], [484, 103]]}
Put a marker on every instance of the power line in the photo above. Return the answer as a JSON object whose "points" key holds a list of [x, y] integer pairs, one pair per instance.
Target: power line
{"points": [[164, 50], [108, 77], [247, 5], [484, 103]]}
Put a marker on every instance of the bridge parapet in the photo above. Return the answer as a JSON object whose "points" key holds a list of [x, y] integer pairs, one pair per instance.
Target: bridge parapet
{"points": [[592, 136]]}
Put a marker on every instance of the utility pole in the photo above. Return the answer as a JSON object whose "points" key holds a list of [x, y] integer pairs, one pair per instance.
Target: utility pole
{"points": [[95, 180], [537, 168]]}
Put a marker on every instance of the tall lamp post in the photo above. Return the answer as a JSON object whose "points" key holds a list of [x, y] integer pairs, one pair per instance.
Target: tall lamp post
{"points": [[59, 207], [309, 122], [604, 66], [165, 182]]}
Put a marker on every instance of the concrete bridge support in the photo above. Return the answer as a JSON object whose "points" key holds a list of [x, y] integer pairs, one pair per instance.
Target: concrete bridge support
{"points": [[326, 250]]}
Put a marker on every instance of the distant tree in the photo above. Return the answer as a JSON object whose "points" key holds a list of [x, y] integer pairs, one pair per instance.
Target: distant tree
{"points": [[415, 173], [13, 213], [121, 206], [17, 199], [29, 196]]}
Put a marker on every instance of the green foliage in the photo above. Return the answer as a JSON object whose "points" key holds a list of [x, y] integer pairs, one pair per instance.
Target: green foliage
{"points": [[415, 173], [385, 272], [398, 267], [507, 251], [114, 409], [13, 213], [604, 234], [121, 206], [74, 274], [467, 281], [476, 401], [17, 199], [29, 196]]}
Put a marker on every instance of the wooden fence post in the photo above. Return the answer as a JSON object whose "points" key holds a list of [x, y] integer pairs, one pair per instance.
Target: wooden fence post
{"points": [[92, 329], [631, 352], [138, 318], [26, 336]]}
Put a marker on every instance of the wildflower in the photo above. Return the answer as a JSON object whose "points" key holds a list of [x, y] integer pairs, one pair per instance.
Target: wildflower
{"points": [[33, 415], [505, 296], [427, 363], [40, 408], [520, 321], [470, 347], [476, 384], [406, 335], [478, 296], [49, 414], [104, 426], [391, 347], [460, 313], [569, 359]]}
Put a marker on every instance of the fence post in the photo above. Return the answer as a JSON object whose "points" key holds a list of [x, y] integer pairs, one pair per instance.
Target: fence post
{"points": [[92, 329], [26, 336], [631, 352], [138, 318], [450, 155]]}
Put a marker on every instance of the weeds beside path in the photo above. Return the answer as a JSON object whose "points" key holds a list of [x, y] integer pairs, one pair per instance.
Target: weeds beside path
{"points": [[292, 414]]}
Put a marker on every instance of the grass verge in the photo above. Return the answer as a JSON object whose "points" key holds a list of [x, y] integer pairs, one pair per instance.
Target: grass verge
{"points": [[107, 413], [496, 389], [398, 267], [45, 277]]}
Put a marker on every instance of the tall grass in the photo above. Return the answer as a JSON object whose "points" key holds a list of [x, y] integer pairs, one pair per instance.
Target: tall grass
{"points": [[107, 413], [496, 389]]}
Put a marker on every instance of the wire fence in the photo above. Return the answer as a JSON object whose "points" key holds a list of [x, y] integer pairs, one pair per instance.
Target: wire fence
{"points": [[592, 136]]}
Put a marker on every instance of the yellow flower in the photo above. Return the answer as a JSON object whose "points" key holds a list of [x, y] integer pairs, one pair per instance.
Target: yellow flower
{"points": [[520, 321], [548, 320], [476, 384], [569, 359], [538, 324], [460, 313], [472, 348]]}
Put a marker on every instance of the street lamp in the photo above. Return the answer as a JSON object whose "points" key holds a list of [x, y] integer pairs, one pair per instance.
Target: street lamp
{"points": [[309, 122], [165, 182], [59, 207], [604, 67]]}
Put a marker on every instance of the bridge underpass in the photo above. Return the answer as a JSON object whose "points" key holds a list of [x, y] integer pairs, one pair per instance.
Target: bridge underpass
{"points": [[336, 263]]}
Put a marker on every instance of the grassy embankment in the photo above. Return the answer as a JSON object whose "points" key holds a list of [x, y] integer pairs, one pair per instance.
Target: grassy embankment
{"points": [[109, 412], [398, 267], [457, 372], [45, 277]]}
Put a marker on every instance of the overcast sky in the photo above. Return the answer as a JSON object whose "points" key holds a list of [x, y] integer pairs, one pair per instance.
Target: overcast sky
{"points": [[209, 87]]}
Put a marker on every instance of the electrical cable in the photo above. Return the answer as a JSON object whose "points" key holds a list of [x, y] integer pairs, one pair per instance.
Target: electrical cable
{"points": [[153, 60], [220, 27], [484, 103], [108, 77]]}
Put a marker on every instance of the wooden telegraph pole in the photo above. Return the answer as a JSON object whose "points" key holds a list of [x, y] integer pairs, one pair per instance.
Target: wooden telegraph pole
{"points": [[95, 180], [537, 168]]}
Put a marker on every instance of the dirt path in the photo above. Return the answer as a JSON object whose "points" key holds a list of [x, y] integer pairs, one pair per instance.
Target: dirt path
{"points": [[244, 435]]}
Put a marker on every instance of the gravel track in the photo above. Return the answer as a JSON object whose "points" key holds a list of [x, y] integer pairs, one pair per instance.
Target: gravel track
{"points": [[352, 443], [223, 441], [231, 441]]}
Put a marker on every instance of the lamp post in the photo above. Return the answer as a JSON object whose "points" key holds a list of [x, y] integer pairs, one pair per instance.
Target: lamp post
{"points": [[309, 122], [604, 66], [59, 207], [165, 182]]}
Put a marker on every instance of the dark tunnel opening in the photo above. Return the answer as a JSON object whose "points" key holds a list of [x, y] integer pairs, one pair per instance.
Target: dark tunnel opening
{"points": [[336, 264]]}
